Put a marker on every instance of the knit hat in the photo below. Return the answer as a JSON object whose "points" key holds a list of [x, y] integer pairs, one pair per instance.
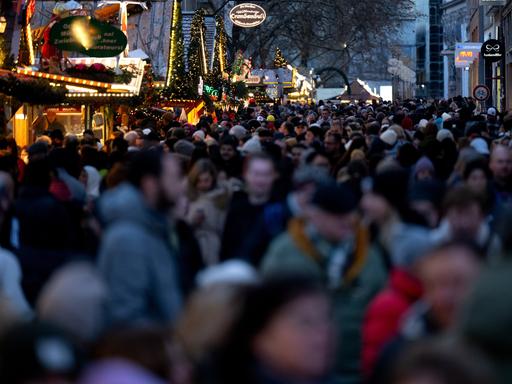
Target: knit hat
{"points": [[392, 184], [446, 116], [199, 135], [389, 137], [335, 199], [491, 111], [252, 146], [444, 134], [184, 147], [238, 131], [480, 145], [271, 118], [424, 164], [423, 123], [228, 272]]}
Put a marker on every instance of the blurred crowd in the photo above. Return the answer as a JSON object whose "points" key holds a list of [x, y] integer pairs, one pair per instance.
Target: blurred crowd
{"points": [[279, 244]]}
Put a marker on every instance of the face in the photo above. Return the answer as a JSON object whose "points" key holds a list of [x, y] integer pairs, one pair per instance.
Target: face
{"points": [[297, 155], [299, 130], [259, 177], [204, 182], [172, 183], [335, 228], [330, 144], [325, 114], [302, 326], [501, 163], [227, 152], [447, 277], [282, 129], [309, 137], [477, 181], [376, 209], [321, 161], [465, 222]]}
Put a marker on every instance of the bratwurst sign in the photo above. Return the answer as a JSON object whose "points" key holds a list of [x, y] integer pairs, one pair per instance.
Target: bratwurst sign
{"points": [[247, 15], [88, 36]]}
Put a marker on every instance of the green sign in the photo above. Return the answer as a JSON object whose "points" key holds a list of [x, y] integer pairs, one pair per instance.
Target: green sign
{"points": [[88, 36], [211, 91]]}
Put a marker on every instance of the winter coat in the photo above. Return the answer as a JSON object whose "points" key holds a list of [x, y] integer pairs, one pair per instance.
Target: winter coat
{"points": [[137, 260], [362, 276], [209, 232], [384, 315]]}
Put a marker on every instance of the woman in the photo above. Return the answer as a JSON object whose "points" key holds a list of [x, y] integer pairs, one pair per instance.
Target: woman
{"points": [[207, 210], [284, 335]]}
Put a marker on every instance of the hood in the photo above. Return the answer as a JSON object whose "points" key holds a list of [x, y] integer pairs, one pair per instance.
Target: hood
{"points": [[126, 204]]}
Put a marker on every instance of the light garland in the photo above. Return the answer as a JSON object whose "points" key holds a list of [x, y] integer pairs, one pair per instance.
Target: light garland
{"points": [[65, 79]]}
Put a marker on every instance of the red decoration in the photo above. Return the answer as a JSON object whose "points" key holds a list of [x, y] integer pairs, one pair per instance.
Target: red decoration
{"points": [[98, 67], [81, 67]]}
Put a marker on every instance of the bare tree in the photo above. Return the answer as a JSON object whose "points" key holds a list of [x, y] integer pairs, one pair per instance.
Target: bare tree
{"points": [[325, 33]]}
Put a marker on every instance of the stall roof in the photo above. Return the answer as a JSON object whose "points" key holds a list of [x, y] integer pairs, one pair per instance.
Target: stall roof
{"points": [[359, 91]]}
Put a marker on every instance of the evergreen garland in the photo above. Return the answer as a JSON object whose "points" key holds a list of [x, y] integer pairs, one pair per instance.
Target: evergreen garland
{"points": [[279, 60], [220, 55], [177, 82], [197, 56]]}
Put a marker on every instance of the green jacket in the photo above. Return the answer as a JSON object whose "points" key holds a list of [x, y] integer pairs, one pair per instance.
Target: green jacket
{"points": [[294, 253]]}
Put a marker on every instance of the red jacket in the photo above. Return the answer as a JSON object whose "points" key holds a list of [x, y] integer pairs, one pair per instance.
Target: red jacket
{"points": [[383, 315]]}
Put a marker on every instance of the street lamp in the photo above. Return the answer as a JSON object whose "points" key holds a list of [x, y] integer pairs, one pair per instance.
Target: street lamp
{"points": [[3, 24]]}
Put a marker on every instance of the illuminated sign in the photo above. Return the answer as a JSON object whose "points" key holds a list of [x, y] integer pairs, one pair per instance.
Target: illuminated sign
{"points": [[247, 15], [466, 53], [212, 92], [493, 50]]}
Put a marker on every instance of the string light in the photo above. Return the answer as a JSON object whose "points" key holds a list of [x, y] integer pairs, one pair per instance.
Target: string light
{"points": [[65, 79]]}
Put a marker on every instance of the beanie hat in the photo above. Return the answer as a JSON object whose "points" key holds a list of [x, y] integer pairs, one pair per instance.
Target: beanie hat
{"points": [[392, 184], [184, 147], [389, 137], [480, 145], [271, 118], [491, 111], [423, 123], [199, 134], [335, 199], [444, 134], [252, 146], [424, 164], [446, 116], [238, 131]]}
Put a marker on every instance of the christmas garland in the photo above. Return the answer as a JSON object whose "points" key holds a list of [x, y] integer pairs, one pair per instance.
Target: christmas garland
{"points": [[32, 91], [98, 72]]}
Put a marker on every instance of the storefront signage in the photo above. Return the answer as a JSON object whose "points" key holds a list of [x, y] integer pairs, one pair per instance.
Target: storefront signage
{"points": [[466, 53], [88, 36], [212, 92], [493, 50], [247, 15]]}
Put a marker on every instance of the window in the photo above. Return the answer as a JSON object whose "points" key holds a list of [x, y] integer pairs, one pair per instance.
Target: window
{"points": [[189, 5]]}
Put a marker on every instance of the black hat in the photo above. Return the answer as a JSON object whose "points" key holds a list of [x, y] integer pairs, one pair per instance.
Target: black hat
{"points": [[333, 198], [393, 185]]}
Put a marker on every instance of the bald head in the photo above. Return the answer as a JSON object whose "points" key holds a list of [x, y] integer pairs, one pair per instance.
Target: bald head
{"points": [[501, 163]]}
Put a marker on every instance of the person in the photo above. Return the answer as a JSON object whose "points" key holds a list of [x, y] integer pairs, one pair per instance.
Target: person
{"points": [[328, 245], [137, 256], [325, 116], [333, 148], [447, 273], [501, 167], [250, 222], [442, 363], [207, 209], [281, 323]]}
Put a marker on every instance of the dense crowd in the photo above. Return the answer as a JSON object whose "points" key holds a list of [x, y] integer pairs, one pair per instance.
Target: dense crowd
{"points": [[280, 244]]}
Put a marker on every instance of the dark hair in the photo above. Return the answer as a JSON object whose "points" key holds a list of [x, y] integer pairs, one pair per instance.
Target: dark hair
{"points": [[261, 304], [289, 127], [477, 164], [462, 197], [144, 163]]}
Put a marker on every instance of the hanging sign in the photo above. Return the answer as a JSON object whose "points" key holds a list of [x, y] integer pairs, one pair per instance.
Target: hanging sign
{"points": [[493, 50], [481, 92], [88, 36], [247, 15]]}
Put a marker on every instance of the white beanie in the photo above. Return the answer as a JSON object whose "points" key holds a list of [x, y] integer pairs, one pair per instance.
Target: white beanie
{"points": [[446, 116], [199, 134], [480, 145], [389, 137], [444, 134], [252, 146], [228, 272], [423, 123]]}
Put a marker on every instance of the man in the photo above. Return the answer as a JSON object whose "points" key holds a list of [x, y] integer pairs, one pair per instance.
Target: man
{"points": [[325, 116], [253, 219], [328, 245], [333, 147], [501, 166], [300, 131], [286, 129], [137, 255]]}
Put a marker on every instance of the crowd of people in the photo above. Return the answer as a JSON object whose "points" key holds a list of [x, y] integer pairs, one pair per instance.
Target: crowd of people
{"points": [[280, 244]]}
